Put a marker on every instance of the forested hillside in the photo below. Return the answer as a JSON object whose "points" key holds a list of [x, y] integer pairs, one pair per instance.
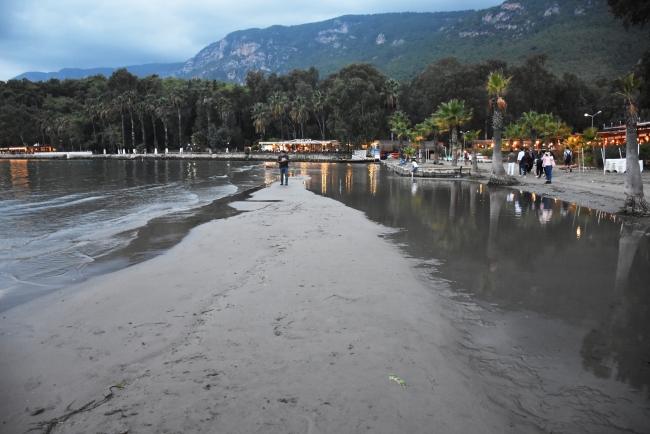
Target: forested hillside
{"points": [[352, 105], [580, 36]]}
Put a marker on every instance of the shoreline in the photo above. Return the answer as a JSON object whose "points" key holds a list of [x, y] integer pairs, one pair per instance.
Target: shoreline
{"points": [[591, 188], [153, 239], [256, 321]]}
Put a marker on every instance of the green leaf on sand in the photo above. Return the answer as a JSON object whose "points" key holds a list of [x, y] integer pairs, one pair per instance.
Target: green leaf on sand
{"points": [[399, 380]]}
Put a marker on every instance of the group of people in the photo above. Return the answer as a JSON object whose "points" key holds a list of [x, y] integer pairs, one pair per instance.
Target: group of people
{"points": [[543, 160]]}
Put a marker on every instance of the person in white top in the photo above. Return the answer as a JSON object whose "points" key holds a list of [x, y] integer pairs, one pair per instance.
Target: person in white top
{"points": [[520, 155], [415, 167]]}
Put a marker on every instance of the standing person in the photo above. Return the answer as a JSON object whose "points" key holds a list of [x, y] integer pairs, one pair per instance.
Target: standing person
{"points": [[283, 162], [525, 163], [539, 170], [512, 159], [567, 159], [548, 162], [415, 167], [520, 155]]}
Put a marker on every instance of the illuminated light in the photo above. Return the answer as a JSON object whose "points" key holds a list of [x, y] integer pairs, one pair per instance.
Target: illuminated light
{"points": [[578, 233]]}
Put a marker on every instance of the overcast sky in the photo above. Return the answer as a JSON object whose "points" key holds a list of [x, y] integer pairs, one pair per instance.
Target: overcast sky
{"points": [[47, 35]]}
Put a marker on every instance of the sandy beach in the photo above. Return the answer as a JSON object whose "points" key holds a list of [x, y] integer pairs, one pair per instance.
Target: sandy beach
{"points": [[269, 321]]}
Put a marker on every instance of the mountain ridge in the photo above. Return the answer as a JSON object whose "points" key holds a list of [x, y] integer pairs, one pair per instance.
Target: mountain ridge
{"points": [[581, 37]]}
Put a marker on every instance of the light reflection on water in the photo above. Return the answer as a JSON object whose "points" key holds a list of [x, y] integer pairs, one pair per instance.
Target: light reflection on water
{"points": [[578, 276]]}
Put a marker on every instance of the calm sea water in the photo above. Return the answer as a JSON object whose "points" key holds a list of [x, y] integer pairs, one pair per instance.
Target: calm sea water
{"points": [[552, 299], [61, 221]]}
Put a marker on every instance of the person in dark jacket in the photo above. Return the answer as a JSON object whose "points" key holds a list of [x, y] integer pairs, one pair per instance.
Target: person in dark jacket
{"points": [[283, 162], [526, 163]]}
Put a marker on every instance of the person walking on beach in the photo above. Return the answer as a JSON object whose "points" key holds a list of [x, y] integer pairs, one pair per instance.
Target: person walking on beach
{"points": [[283, 162], [520, 155], [512, 159], [567, 159], [525, 163], [415, 167], [539, 170], [548, 162]]}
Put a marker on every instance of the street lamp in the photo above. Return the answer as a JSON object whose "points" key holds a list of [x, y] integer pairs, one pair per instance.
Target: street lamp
{"points": [[592, 117], [463, 133]]}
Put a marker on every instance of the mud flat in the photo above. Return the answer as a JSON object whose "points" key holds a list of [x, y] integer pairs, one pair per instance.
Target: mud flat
{"points": [[268, 321]]}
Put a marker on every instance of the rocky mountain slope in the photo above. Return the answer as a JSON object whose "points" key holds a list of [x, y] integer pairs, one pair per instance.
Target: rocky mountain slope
{"points": [[581, 36]]}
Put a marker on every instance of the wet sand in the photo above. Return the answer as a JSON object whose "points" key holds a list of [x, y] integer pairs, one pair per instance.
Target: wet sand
{"points": [[267, 321]]}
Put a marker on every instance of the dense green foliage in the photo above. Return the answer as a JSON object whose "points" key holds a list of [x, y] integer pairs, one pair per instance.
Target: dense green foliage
{"points": [[353, 105]]}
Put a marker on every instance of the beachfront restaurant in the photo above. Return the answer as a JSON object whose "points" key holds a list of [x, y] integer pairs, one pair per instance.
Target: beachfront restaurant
{"points": [[26, 149], [301, 145], [615, 136]]}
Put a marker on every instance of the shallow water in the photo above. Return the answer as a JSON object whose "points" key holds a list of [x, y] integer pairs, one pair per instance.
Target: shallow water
{"points": [[552, 299], [63, 221]]}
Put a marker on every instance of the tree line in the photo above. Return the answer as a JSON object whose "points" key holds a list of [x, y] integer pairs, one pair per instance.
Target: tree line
{"points": [[354, 106]]}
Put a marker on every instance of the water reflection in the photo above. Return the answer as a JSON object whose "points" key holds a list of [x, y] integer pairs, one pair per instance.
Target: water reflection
{"points": [[581, 269]]}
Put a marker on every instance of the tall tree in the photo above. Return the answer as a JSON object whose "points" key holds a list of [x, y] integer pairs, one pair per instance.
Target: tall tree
{"points": [[635, 202], [390, 91], [150, 103], [300, 113], [131, 102], [163, 111], [260, 114], [632, 12], [278, 103], [497, 86], [318, 105], [177, 99], [450, 116], [120, 103], [400, 124]]}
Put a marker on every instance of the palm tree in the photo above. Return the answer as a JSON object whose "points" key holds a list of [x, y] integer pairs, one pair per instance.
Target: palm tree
{"points": [[434, 128], [555, 130], [151, 103], [224, 109], [141, 110], [207, 99], [278, 103], [61, 124], [131, 102], [450, 116], [120, 103], [514, 132], [300, 113], [391, 92], [497, 86], [103, 113], [318, 105], [90, 111], [163, 111], [635, 203], [400, 123], [530, 123], [177, 99], [260, 118]]}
